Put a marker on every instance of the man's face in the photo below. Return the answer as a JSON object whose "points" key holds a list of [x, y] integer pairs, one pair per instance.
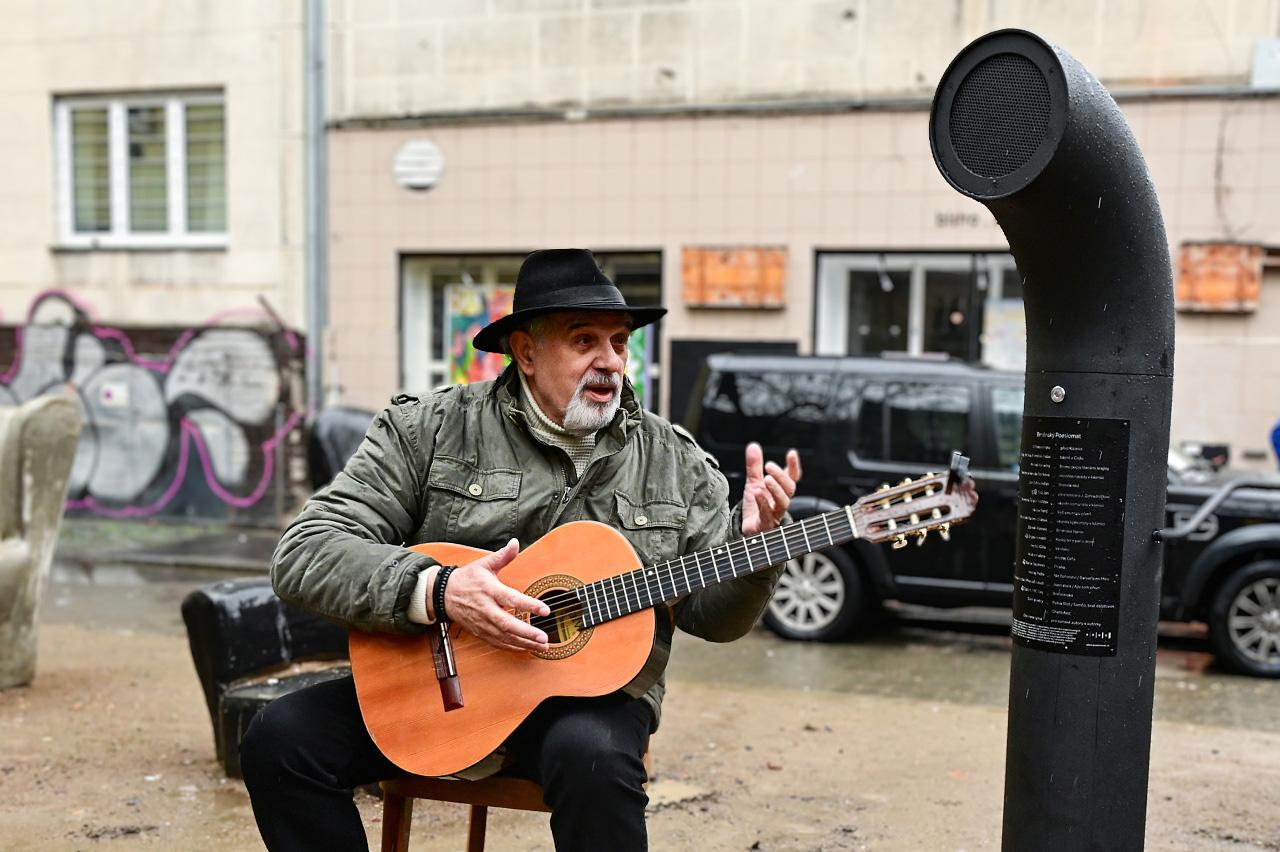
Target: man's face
{"points": [[574, 364]]}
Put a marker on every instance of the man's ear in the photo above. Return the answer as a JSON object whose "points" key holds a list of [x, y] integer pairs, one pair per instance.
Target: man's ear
{"points": [[521, 343]]}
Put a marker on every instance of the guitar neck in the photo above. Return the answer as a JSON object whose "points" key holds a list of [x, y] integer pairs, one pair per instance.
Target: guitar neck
{"points": [[666, 582]]}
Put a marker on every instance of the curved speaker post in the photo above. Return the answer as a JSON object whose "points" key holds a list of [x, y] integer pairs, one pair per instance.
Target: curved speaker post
{"points": [[1022, 127]]}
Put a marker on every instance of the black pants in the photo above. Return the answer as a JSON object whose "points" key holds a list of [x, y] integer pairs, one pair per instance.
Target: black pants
{"points": [[305, 752]]}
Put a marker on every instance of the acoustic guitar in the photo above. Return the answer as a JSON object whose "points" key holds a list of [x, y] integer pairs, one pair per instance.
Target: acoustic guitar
{"points": [[438, 703]]}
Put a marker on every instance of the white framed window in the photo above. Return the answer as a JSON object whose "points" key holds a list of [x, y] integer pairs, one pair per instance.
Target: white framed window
{"points": [[141, 171]]}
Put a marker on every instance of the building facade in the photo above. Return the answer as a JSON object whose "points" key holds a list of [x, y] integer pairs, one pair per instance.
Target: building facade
{"points": [[151, 254], [763, 170]]}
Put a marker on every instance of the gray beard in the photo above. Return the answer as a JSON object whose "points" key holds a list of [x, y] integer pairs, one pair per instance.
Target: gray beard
{"points": [[583, 416]]}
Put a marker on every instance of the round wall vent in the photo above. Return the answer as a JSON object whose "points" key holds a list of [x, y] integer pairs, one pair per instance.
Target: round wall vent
{"points": [[419, 164]]}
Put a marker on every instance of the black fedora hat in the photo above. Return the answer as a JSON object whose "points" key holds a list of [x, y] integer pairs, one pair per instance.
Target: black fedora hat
{"points": [[554, 280]]}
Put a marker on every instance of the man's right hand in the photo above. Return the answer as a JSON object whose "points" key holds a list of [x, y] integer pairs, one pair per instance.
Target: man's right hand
{"points": [[477, 600]]}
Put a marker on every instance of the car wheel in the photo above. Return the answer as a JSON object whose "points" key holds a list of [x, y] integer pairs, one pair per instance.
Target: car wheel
{"points": [[1244, 622], [818, 597]]}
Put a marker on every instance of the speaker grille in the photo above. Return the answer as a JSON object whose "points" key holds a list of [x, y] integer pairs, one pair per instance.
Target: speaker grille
{"points": [[1000, 115]]}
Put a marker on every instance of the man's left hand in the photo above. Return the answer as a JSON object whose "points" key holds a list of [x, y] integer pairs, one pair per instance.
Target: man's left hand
{"points": [[768, 491]]}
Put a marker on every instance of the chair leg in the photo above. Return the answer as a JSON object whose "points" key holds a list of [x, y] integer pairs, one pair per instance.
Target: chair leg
{"points": [[397, 822], [475, 830]]}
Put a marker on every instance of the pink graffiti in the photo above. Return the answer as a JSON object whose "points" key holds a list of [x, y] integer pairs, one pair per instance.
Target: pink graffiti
{"points": [[121, 337], [191, 434]]}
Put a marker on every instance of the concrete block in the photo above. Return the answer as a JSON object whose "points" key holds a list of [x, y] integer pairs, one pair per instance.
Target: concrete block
{"points": [[611, 39], [562, 41], [665, 38], [484, 46], [37, 444]]}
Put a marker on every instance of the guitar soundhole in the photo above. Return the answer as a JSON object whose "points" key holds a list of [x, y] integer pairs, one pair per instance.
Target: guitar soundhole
{"points": [[565, 633], [565, 621]]}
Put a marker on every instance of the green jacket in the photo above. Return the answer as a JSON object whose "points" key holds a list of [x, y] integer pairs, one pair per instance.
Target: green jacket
{"points": [[414, 479]]}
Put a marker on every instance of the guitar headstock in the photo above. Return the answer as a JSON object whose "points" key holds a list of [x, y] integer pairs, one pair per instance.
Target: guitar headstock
{"points": [[935, 501]]}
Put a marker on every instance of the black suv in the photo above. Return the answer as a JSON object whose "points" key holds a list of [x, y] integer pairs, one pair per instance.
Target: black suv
{"points": [[859, 422]]}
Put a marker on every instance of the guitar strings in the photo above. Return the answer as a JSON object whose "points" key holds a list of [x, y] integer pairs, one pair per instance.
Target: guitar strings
{"points": [[544, 622], [610, 596]]}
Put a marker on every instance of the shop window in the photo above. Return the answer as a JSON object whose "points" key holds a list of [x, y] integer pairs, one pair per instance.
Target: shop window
{"points": [[445, 300], [963, 306]]}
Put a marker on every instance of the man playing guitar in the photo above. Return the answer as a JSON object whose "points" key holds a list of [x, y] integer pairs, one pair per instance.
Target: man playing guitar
{"points": [[558, 437]]}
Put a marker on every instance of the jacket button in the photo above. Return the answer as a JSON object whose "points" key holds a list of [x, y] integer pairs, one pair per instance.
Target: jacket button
{"points": [[641, 520], [475, 489]]}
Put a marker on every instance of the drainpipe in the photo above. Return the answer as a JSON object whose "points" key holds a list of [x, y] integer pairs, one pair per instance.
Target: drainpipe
{"points": [[316, 199]]}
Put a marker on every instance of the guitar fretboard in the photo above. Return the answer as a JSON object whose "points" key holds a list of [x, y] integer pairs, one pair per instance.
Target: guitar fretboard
{"points": [[623, 594]]}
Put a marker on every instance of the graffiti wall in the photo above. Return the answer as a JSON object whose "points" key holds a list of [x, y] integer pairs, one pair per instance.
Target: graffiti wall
{"points": [[178, 422]]}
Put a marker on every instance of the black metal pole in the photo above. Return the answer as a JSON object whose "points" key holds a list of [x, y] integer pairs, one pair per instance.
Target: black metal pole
{"points": [[1021, 126]]}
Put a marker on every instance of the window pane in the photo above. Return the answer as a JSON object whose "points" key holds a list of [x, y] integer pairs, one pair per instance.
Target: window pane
{"points": [[878, 304], [926, 421], [952, 314], [1007, 405], [148, 183], [90, 170], [774, 408], [868, 440], [206, 169]]}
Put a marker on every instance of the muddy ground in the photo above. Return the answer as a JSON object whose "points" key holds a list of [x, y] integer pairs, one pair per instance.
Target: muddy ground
{"points": [[888, 744]]}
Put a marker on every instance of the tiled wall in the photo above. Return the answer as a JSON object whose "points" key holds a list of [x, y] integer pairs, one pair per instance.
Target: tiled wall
{"points": [[852, 181]]}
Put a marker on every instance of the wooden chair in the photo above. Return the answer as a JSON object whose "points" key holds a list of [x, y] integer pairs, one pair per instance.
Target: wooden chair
{"points": [[495, 792]]}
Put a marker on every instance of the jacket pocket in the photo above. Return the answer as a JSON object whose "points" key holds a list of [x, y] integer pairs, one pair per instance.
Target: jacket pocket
{"points": [[654, 527], [471, 504]]}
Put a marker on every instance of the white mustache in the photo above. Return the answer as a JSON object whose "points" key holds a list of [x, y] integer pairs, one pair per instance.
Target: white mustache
{"points": [[614, 380]]}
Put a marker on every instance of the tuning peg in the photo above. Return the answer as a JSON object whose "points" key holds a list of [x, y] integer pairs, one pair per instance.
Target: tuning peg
{"points": [[920, 537], [944, 532], [915, 519], [900, 542], [884, 486], [892, 524], [906, 481], [937, 514]]}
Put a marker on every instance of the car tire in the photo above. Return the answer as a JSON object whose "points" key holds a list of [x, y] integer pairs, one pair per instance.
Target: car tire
{"points": [[1244, 619], [818, 597]]}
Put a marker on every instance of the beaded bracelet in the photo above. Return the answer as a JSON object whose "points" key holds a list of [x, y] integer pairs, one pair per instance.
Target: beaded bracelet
{"points": [[437, 595]]}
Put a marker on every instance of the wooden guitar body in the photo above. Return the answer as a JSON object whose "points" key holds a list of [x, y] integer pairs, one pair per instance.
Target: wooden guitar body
{"points": [[395, 675]]}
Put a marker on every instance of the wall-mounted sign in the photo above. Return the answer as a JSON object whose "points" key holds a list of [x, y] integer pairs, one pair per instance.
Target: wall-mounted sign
{"points": [[734, 277], [1219, 277]]}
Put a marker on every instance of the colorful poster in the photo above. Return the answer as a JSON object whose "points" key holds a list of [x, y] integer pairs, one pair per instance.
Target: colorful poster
{"points": [[469, 308], [637, 362]]}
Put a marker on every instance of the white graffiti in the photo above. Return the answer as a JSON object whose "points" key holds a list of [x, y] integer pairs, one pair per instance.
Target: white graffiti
{"points": [[149, 421]]}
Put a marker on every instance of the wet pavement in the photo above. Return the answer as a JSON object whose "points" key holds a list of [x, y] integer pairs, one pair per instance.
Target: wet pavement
{"points": [[894, 740], [959, 657]]}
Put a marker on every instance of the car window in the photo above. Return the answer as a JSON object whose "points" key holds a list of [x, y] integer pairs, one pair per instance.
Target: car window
{"points": [[919, 422], [775, 408], [1006, 408]]}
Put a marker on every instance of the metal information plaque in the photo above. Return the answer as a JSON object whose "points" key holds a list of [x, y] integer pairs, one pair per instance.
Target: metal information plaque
{"points": [[1066, 579]]}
